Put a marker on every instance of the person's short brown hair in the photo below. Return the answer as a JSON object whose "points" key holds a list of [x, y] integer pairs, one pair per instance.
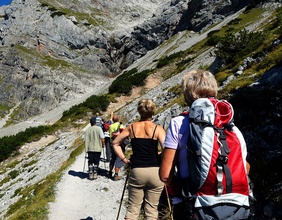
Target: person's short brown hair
{"points": [[198, 84], [146, 108], [115, 118]]}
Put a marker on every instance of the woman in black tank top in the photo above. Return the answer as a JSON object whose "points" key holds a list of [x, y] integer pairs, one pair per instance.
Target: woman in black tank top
{"points": [[144, 183]]}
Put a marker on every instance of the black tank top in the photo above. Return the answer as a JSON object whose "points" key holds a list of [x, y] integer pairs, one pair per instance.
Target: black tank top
{"points": [[145, 151]]}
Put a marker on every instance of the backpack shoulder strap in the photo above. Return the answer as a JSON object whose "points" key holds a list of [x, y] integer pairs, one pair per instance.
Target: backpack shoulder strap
{"points": [[222, 164], [154, 131]]}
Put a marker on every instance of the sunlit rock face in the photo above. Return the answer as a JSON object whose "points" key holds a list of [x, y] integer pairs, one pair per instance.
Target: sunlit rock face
{"points": [[55, 52]]}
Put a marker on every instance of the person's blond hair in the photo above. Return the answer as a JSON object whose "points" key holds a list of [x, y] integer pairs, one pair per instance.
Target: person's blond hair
{"points": [[198, 84], [146, 108]]}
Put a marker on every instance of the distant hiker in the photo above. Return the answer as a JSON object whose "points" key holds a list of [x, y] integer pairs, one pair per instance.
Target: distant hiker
{"points": [[99, 121], [94, 141], [144, 183], [215, 198], [115, 163], [106, 129]]}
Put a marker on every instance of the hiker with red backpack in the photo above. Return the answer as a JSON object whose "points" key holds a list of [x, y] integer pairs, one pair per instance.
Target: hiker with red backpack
{"points": [[106, 129], [209, 153]]}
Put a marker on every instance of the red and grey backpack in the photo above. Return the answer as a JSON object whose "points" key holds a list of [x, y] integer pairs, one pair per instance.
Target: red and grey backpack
{"points": [[106, 126], [217, 154]]}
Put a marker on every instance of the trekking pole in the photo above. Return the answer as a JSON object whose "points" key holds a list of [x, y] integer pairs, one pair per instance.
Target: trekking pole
{"points": [[127, 176], [84, 161], [168, 201], [104, 158]]}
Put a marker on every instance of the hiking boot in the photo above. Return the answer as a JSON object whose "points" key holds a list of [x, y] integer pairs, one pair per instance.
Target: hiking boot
{"points": [[95, 176], [116, 178], [91, 176]]}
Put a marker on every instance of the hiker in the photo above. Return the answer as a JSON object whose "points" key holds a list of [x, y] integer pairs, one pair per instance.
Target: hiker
{"points": [[177, 134], [144, 183], [116, 163], [196, 84], [99, 121], [94, 141], [106, 129]]}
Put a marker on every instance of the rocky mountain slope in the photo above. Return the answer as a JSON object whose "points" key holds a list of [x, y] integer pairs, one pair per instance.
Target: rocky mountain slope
{"points": [[32, 167], [55, 51]]}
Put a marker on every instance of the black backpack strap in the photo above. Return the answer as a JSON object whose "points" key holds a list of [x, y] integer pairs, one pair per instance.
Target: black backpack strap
{"points": [[221, 163], [201, 123]]}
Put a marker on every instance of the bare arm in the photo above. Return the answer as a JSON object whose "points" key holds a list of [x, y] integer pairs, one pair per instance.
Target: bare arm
{"points": [[161, 136], [248, 166], [166, 171], [112, 114], [117, 144]]}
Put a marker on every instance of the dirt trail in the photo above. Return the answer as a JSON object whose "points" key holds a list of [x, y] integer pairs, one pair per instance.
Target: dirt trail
{"points": [[80, 198]]}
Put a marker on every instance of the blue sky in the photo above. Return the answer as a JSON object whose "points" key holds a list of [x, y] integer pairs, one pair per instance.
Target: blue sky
{"points": [[5, 2]]}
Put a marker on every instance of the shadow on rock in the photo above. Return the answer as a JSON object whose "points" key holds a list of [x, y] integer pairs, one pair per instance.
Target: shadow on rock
{"points": [[79, 174]]}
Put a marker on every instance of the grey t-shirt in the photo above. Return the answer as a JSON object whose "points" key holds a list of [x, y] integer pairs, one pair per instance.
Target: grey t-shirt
{"points": [[93, 136]]}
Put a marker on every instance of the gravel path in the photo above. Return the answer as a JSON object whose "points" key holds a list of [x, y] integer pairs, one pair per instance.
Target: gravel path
{"points": [[80, 198]]}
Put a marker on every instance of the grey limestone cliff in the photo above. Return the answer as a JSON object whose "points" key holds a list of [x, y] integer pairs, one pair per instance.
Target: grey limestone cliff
{"points": [[55, 51]]}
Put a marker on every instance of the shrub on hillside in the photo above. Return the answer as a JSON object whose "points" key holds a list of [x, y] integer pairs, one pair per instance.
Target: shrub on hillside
{"points": [[232, 47], [94, 103], [124, 83], [167, 59], [8, 145], [97, 103]]}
